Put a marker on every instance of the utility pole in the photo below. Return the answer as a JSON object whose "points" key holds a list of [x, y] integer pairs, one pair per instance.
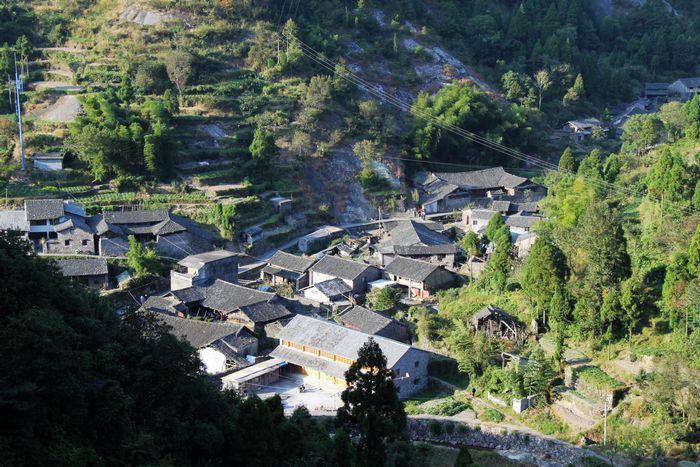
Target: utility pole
{"points": [[19, 89], [605, 422]]}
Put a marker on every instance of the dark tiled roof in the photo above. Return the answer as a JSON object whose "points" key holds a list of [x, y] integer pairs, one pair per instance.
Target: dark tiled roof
{"points": [[163, 305], [338, 340], [264, 312], [202, 333], [39, 209], [83, 267], [339, 267], [364, 320], [290, 262], [412, 269], [482, 179], [190, 294], [690, 82], [414, 238], [284, 273], [226, 297], [13, 220], [520, 220], [333, 288], [136, 217], [166, 227], [113, 246]]}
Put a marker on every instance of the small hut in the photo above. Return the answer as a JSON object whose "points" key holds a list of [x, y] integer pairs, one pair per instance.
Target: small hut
{"points": [[498, 324]]}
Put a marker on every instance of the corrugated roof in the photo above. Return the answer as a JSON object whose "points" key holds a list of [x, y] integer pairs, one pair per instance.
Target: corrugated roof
{"points": [[83, 267], [339, 267], [227, 297], [412, 269], [290, 262], [40, 209]]}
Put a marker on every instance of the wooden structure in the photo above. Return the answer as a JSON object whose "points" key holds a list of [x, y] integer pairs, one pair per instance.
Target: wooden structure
{"points": [[498, 324]]}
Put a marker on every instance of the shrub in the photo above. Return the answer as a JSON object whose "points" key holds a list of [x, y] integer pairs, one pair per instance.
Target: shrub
{"points": [[447, 407], [492, 415]]}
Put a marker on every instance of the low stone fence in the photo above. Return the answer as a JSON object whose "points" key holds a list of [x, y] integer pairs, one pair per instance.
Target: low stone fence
{"points": [[436, 430]]}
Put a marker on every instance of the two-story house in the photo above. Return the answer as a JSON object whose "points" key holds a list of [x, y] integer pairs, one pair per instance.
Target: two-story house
{"points": [[355, 274], [421, 279]]}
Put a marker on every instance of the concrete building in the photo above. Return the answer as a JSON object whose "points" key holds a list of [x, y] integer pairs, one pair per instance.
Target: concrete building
{"points": [[583, 128], [91, 272], [319, 238], [58, 226], [422, 279], [48, 161], [203, 269], [281, 205], [325, 350]]}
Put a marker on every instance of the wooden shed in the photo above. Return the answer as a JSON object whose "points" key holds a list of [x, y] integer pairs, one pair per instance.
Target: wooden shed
{"points": [[498, 324]]}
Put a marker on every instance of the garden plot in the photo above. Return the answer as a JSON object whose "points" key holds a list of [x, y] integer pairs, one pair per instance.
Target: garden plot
{"points": [[58, 86]]}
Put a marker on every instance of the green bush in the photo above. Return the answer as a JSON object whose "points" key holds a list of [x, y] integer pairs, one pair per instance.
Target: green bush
{"points": [[447, 407], [596, 377], [492, 415]]}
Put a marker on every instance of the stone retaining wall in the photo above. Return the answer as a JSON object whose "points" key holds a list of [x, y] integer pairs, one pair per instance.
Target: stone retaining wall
{"points": [[496, 437]]}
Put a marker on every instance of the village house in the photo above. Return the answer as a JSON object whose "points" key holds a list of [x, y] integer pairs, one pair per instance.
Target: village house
{"points": [[370, 322], [656, 90], [252, 234], [356, 275], [221, 346], [422, 279], [91, 272], [53, 225], [203, 269], [418, 241], [582, 129], [498, 324], [325, 350], [48, 161], [287, 269], [319, 238], [445, 191], [240, 305], [684, 89], [281, 205], [334, 293]]}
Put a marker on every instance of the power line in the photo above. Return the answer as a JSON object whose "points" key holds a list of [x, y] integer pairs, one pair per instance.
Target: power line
{"points": [[377, 91]]}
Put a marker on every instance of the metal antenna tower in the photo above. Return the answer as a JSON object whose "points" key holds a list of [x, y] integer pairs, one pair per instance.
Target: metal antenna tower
{"points": [[19, 90]]}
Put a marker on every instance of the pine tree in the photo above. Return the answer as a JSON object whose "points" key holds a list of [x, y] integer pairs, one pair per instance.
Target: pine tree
{"points": [[495, 223], [575, 92], [694, 254], [371, 409], [263, 147], [538, 374], [567, 161], [544, 272]]}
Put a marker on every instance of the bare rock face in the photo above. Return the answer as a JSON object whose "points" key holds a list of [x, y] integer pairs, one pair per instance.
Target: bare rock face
{"points": [[144, 17]]}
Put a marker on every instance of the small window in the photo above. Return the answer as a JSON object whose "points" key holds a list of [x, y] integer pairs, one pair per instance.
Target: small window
{"points": [[85, 243], [416, 364], [527, 229], [416, 381], [66, 243], [475, 222]]}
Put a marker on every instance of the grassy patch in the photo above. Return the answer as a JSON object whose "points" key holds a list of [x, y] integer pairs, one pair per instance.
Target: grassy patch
{"points": [[436, 455], [596, 377], [492, 415], [545, 422]]}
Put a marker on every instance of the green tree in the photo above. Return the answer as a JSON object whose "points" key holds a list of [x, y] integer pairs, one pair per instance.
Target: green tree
{"points": [[538, 375], [263, 147], [142, 260], [641, 132], [567, 161], [667, 178], [384, 299], [371, 409], [494, 224], [545, 271], [471, 243], [495, 276], [293, 52], [675, 283], [575, 93], [178, 65], [632, 303], [542, 81], [694, 254], [473, 350], [126, 89]]}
